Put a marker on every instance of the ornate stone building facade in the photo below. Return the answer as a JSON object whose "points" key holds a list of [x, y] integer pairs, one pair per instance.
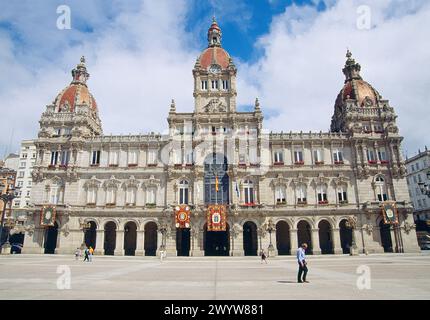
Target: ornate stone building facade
{"points": [[118, 193]]}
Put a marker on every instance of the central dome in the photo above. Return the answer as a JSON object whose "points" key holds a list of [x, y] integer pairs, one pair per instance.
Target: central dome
{"points": [[214, 55]]}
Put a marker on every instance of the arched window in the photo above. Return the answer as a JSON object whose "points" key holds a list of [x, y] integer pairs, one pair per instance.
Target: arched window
{"points": [[130, 196], [381, 189], [56, 193], [183, 192], [280, 194], [248, 191], [322, 193], [301, 193]]}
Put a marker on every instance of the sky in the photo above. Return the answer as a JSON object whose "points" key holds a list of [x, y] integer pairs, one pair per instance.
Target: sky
{"points": [[140, 55]]}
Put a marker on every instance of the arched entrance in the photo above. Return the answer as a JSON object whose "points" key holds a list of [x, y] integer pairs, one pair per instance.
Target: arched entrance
{"points": [[51, 235], [16, 241], [250, 240], [283, 243], [325, 235], [130, 238], [151, 237], [183, 241], [216, 243], [110, 238], [386, 241], [304, 235], [91, 235], [345, 237]]}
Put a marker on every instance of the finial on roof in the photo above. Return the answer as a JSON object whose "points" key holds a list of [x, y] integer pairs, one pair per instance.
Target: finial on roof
{"points": [[257, 105], [173, 106]]}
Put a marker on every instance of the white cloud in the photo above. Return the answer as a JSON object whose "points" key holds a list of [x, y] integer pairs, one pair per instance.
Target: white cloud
{"points": [[300, 74]]}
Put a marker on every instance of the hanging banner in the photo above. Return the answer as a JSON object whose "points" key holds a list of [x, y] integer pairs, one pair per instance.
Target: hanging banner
{"points": [[47, 216], [389, 212], [182, 216], [216, 217]]}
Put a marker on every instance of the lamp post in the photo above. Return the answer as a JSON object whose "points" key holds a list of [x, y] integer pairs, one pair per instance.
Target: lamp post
{"points": [[163, 230], [7, 198], [425, 187], [270, 228], [351, 223]]}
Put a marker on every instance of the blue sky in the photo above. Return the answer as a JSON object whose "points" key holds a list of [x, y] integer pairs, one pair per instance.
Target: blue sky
{"points": [[140, 55]]}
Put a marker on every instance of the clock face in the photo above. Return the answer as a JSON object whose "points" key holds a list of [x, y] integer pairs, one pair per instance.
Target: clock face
{"points": [[214, 68]]}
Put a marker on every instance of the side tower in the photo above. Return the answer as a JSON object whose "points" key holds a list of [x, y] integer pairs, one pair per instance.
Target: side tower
{"points": [[69, 122], [370, 124]]}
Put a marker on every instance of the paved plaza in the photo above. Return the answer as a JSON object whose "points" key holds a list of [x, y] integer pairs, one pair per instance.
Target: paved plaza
{"points": [[107, 277]]}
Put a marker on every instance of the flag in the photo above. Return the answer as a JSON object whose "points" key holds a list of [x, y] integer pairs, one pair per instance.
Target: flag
{"points": [[216, 184], [237, 190]]}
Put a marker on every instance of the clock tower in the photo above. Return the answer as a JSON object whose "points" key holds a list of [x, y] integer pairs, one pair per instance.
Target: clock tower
{"points": [[214, 77]]}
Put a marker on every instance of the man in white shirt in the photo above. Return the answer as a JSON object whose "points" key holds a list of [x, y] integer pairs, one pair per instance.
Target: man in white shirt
{"points": [[301, 259]]}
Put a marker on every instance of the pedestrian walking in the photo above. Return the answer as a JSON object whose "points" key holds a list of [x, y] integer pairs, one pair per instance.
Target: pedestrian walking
{"points": [[90, 253], [162, 255], [301, 260], [77, 253], [263, 256], [86, 255]]}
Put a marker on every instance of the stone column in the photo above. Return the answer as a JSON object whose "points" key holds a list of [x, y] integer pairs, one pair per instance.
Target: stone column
{"points": [[337, 248], [159, 242], [100, 242], [33, 243], [139, 243], [171, 243], [294, 241], [119, 246], [195, 250], [236, 243], [315, 236]]}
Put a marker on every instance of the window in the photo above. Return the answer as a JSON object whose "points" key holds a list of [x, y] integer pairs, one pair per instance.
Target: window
{"points": [[366, 127], [152, 156], [21, 174], [371, 157], [57, 132], [419, 203], [92, 195], [55, 194], [150, 196], [95, 158], [417, 165], [415, 179], [248, 188], [242, 159], [132, 157], [214, 84], [130, 196], [337, 156], [28, 193], [381, 190], [33, 155], [54, 157], [322, 194], [419, 178], [382, 155], [113, 158], [177, 158], [67, 131], [225, 84], [280, 195], [204, 85], [318, 156], [65, 155], [298, 156], [278, 157], [111, 196], [24, 156], [378, 128], [301, 194], [341, 194], [424, 203], [253, 159], [189, 157], [22, 165], [183, 192]]}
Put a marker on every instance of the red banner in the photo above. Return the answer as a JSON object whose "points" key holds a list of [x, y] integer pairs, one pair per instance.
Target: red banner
{"points": [[389, 213], [216, 217], [182, 216]]}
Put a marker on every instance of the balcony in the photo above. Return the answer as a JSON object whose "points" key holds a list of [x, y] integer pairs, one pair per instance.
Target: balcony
{"points": [[248, 205], [113, 165], [338, 162], [281, 202], [177, 165], [110, 205], [254, 165], [150, 205], [51, 167], [152, 164], [242, 165], [189, 165], [299, 163], [319, 163], [302, 202], [278, 163], [95, 165], [372, 162], [323, 202], [131, 165], [385, 162]]}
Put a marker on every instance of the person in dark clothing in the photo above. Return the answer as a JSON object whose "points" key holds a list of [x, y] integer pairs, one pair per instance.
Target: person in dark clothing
{"points": [[86, 255]]}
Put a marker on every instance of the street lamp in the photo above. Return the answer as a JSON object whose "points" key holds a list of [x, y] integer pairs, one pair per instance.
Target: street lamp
{"points": [[425, 187], [6, 197], [163, 230], [351, 223], [270, 228]]}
